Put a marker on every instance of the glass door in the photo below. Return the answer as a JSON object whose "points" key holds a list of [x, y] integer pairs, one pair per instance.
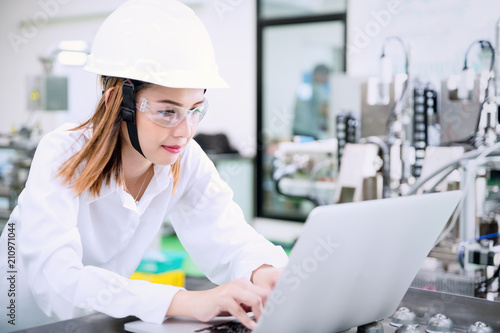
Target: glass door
{"points": [[297, 57]]}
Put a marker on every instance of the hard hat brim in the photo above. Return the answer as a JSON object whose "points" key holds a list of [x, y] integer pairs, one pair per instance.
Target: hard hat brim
{"points": [[172, 79]]}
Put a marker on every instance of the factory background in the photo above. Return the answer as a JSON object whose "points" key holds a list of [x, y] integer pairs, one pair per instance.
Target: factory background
{"points": [[407, 87]]}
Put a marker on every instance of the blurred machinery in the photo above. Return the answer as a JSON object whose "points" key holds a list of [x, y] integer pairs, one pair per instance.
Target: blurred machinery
{"points": [[469, 138], [357, 179], [47, 92], [425, 124], [411, 138], [16, 153], [306, 170], [348, 126], [467, 108]]}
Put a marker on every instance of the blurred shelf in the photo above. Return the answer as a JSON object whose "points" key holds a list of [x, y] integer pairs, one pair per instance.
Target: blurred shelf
{"points": [[16, 157], [4, 190], [5, 214]]}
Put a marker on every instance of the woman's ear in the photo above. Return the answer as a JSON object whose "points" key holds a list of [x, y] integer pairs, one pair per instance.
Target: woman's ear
{"points": [[106, 95]]}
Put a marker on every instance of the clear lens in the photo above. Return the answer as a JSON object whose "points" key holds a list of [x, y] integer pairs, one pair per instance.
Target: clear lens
{"points": [[168, 115]]}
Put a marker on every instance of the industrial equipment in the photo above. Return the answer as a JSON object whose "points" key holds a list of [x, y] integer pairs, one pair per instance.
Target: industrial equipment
{"points": [[411, 138], [306, 170]]}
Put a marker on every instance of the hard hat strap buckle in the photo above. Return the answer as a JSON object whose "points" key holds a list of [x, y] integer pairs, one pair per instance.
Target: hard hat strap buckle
{"points": [[128, 115]]}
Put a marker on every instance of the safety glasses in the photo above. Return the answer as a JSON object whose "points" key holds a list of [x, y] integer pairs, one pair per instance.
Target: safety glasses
{"points": [[168, 115]]}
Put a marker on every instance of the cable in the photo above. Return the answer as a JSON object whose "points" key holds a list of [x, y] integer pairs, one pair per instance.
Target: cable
{"points": [[486, 152], [479, 156], [479, 160], [281, 173], [471, 139], [440, 180], [397, 109], [477, 239], [318, 167], [454, 217], [455, 163], [312, 199], [398, 39], [398, 106], [486, 283], [484, 44], [478, 122], [326, 163], [495, 234]]}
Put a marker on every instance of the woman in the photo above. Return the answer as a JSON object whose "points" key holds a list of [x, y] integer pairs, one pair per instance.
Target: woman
{"points": [[98, 193]]}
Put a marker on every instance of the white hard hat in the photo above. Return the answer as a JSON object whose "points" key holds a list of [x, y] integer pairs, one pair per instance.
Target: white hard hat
{"points": [[156, 41]]}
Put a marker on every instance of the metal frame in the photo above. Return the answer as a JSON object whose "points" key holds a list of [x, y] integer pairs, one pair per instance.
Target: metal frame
{"points": [[263, 23]]}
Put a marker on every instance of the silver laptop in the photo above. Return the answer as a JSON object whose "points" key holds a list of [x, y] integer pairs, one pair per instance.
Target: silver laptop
{"points": [[351, 265]]}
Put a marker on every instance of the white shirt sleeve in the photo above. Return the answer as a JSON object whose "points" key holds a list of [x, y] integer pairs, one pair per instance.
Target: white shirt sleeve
{"points": [[50, 250], [211, 226]]}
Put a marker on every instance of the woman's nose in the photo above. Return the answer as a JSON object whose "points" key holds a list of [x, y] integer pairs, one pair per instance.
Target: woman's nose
{"points": [[183, 129]]}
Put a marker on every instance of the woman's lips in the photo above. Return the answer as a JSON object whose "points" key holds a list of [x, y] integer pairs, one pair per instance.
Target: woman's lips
{"points": [[173, 149]]}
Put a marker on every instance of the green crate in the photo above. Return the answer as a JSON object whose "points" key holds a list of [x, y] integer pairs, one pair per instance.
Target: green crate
{"points": [[159, 261]]}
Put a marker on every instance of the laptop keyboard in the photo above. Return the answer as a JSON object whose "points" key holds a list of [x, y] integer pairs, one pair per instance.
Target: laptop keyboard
{"points": [[227, 327]]}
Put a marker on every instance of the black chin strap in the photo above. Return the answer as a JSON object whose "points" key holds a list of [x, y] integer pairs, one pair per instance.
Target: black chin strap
{"points": [[127, 111]]}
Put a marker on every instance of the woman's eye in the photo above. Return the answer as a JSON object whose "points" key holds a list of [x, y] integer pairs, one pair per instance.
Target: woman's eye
{"points": [[166, 112]]}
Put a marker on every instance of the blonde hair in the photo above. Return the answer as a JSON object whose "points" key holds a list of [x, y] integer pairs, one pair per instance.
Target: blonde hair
{"points": [[100, 158]]}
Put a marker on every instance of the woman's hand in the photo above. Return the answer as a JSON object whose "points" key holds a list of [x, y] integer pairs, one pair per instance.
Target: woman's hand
{"points": [[266, 276], [235, 298]]}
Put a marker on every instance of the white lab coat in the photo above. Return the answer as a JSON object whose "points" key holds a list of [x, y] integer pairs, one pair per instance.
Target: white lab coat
{"points": [[75, 254]]}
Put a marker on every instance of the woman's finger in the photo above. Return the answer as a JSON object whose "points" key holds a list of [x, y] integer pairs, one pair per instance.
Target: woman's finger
{"points": [[263, 293], [237, 311]]}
